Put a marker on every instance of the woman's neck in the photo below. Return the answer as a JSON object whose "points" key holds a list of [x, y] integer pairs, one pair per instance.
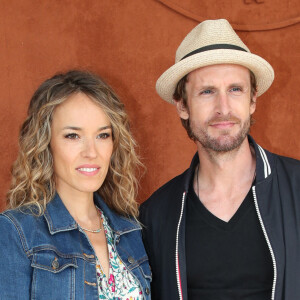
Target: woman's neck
{"points": [[79, 204]]}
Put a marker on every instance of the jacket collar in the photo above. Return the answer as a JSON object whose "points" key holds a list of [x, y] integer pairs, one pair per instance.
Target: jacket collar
{"points": [[190, 172], [59, 219], [118, 223], [264, 161], [264, 164]]}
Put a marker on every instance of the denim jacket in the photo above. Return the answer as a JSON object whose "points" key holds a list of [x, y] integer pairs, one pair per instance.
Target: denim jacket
{"points": [[48, 257]]}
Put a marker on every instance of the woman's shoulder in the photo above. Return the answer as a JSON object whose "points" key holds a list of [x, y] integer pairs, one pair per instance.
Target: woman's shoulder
{"points": [[22, 228], [13, 226], [20, 218]]}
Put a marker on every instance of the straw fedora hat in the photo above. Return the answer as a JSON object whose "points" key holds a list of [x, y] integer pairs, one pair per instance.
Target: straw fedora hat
{"points": [[213, 42]]}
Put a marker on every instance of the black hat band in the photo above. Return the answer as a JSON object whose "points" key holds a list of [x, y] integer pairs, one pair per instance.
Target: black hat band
{"points": [[214, 47]]}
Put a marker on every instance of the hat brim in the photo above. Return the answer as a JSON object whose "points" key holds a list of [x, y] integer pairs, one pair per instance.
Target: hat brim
{"points": [[263, 71]]}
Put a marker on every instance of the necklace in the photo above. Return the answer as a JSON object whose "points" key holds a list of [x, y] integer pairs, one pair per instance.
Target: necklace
{"points": [[92, 230]]}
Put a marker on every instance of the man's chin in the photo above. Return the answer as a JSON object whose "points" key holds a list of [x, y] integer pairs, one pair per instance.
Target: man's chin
{"points": [[223, 143]]}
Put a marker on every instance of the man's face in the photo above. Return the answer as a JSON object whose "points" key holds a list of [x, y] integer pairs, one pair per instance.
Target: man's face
{"points": [[218, 106]]}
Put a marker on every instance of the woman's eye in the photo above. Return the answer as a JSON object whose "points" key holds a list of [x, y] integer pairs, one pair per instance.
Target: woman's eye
{"points": [[104, 135], [72, 136]]}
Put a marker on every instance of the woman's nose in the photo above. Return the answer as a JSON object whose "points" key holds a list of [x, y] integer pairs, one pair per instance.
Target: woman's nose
{"points": [[89, 149]]}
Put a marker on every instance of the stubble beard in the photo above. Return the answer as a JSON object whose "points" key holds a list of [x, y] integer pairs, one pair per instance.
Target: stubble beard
{"points": [[225, 142]]}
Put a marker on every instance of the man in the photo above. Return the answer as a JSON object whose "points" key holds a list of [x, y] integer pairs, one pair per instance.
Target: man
{"points": [[229, 226]]}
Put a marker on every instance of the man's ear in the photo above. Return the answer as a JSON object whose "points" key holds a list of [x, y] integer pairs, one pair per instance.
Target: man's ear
{"points": [[253, 103], [182, 110]]}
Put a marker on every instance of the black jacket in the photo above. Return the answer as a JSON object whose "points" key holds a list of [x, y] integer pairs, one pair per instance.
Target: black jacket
{"points": [[277, 200]]}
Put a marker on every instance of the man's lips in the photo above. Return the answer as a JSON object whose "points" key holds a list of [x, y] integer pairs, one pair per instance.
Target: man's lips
{"points": [[223, 123], [227, 124], [88, 170]]}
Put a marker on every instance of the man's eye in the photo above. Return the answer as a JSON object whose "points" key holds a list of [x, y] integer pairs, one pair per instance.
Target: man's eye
{"points": [[72, 136], [236, 89], [206, 92]]}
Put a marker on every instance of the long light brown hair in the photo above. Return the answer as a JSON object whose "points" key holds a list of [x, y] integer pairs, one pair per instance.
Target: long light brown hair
{"points": [[32, 173]]}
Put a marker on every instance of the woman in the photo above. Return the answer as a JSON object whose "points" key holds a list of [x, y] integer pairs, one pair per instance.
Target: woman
{"points": [[71, 230]]}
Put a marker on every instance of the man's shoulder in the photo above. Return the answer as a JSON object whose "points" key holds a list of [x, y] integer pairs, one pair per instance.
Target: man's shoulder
{"points": [[288, 163], [283, 166], [288, 160], [167, 192]]}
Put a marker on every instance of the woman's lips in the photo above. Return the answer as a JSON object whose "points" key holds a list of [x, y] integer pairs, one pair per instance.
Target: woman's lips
{"points": [[88, 170]]}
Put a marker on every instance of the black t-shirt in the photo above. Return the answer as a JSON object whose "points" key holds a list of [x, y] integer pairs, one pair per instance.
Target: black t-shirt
{"points": [[226, 260]]}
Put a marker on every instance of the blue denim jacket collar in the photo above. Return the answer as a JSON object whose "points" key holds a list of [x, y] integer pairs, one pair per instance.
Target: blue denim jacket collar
{"points": [[118, 223], [59, 219]]}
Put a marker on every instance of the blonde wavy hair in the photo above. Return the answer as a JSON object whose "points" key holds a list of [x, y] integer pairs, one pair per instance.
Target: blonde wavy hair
{"points": [[33, 181]]}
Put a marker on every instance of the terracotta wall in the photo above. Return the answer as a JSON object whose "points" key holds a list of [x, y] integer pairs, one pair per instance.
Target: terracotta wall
{"points": [[130, 43]]}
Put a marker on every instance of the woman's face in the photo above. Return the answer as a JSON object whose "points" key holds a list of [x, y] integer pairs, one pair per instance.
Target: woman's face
{"points": [[81, 145]]}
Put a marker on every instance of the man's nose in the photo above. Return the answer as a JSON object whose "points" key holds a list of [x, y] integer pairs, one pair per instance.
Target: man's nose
{"points": [[223, 103]]}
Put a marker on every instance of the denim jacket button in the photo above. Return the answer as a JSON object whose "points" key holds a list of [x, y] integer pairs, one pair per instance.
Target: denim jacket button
{"points": [[55, 264], [147, 290], [131, 259], [89, 255]]}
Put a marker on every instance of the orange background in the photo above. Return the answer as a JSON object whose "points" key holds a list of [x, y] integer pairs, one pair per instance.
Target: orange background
{"points": [[130, 43]]}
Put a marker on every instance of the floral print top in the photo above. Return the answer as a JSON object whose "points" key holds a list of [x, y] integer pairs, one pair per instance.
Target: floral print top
{"points": [[121, 284]]}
